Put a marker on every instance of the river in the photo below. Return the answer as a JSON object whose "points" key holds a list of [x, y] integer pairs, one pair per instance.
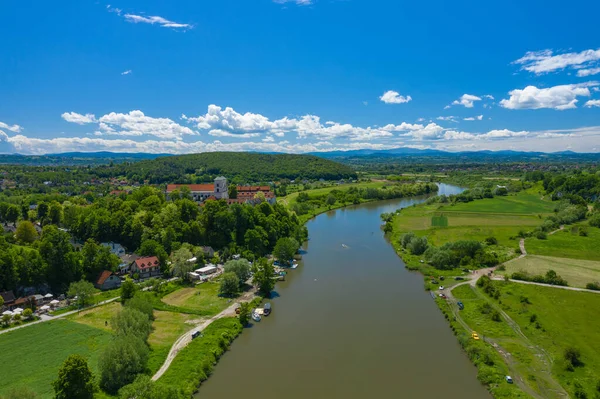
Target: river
{"points": [[348, 323]]}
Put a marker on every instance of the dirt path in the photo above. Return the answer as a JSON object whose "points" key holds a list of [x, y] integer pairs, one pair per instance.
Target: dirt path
{"points": [[562, 227], [548, 285], [523, 250], [186, 338]]}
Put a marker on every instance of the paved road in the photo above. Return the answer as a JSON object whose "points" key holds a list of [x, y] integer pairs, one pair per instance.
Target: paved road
{"points": [[45, 318]]}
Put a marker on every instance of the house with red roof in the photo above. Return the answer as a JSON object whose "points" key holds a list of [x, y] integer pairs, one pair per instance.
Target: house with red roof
{"points": [[146, 267], [107, 280]]}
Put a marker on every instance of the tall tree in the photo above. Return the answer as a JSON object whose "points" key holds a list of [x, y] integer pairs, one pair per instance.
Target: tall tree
{"points": [[285, 249], [264, 275], [230, 285], [26, 232], [181, 265], [75, 379], [83, 290], [121, 361], [9, 277], [57, 252], [240, 267], [128, 289]]}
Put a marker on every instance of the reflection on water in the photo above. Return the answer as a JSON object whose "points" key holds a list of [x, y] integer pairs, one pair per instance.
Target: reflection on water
{"points": [[348, 323]]}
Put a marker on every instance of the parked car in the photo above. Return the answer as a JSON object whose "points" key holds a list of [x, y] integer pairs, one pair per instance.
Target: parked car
{"points": [[509, 379], [459, 278], [434, 282], [196, 334], [475, 336], [460, 305], [441, 287], [442, 278]]}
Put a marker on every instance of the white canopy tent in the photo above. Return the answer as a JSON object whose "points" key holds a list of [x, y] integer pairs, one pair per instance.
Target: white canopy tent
{"points": [[54, 302], [7, 312], [45, 307], [17, 311], [48, 296]]}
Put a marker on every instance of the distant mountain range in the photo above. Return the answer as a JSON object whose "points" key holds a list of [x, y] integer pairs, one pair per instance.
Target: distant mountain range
{"points": [[105, 157]]}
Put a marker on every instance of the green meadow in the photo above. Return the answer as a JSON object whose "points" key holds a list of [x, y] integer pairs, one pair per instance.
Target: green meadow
{"points": [[577, 272], [568, 244], [31, 356]]}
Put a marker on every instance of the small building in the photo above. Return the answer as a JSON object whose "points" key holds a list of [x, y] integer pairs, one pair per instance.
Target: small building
{"points": [[9, 298], [126, 261], [114, 247], [207, 270], [146, 267], [107, 281], [39, 299], [208, 252]]}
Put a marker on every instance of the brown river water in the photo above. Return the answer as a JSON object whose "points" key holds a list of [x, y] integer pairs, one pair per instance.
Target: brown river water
{"points": [[349, 322]]}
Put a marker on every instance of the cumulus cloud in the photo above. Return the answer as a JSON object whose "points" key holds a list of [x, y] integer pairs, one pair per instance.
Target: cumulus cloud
{"points": [[465, 100], [593, 103], [474, 118], [558, 97], [80, 119], [545, 61], [489, 97], [588, 72], [127, 72], [13, 128], [393, 97], [135, 123], [447, 118]]}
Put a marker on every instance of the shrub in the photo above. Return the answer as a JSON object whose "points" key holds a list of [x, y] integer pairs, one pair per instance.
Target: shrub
{"points": [[573, 357], [491, 241], [230, 284], [533, 318], [541, 235], [418, 245], [501, 268], [593, 286], [496, 316]]}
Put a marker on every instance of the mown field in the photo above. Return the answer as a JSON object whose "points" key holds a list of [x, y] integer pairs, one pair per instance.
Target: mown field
{"points": [[577, 272], [203, 297], [31, 356], [568, 244], [291, 198]]}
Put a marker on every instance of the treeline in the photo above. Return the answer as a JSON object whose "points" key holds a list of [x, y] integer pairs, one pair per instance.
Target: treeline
{"points": [[578, 186], [239, 167], [143, 222], [306, 202]]}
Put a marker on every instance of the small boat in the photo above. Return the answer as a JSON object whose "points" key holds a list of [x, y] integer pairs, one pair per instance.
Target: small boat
{"points": [[344, 246], [255, 316], [267, 309]]}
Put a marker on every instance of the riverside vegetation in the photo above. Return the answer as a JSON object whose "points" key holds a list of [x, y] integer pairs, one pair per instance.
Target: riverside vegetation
{"points": [[541, 336]]}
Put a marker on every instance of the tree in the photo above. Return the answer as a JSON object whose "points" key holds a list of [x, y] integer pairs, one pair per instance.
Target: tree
{"points": [[240, 267], [131, 322], [83, 290], [1, 302], [12, 214], [418, 245], [144, 388], [27, 313], [121, 361], [232, 191], [142, 303], [244, 313], [330, 199], [6, 319], [9, 277], [75, 379], [230, 284], [257, 240], [128, 289], [26, 232], [56, 250], [260, 197], [55, 212], [42, 210], [263, 276], [285, 249], [181, 265], [573, 357]]}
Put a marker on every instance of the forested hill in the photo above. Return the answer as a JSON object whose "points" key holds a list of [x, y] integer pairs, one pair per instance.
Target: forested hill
{"points": [[238, 166]]}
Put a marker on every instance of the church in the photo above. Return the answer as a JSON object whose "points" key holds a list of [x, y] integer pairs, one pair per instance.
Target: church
{"points": [[220, 190]]}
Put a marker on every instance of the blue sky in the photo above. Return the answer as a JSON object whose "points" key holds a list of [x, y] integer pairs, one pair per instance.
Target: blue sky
{"points": [[298, 75]]}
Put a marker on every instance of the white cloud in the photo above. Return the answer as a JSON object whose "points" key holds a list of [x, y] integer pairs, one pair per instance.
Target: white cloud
{"points": [[268, 139], [298, 2], [224, 133], [13, 128], [152, 20], [113, 9], [127, 72], [588, 72], [447, 118], [135, 123], [558, 97], [465, 100], [593, 103], [393, 97], [540, 62], [489, 97], [74, 117], [474, 118]]}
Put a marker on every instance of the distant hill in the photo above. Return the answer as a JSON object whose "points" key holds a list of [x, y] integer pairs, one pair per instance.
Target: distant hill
{"points": [[413, 155], [239, 166], [75, 158]]}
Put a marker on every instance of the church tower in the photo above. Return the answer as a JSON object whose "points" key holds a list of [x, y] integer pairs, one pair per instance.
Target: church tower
{"points": [[221, 189]]}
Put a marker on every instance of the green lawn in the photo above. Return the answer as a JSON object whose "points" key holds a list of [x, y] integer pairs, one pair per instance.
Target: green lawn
{"points": [[291, 199], [32, 356], [566, 319], [565, 244], [520, 203], [168, 326], [204, 297], [577, 272]]}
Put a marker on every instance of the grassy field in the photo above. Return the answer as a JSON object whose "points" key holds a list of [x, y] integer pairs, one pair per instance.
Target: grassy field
{"points": [[577, 272], [522, 203], [566, 244], [98, 317], [32, 356], [566, 319], [203, 297], [168, 326], [291, 199]]}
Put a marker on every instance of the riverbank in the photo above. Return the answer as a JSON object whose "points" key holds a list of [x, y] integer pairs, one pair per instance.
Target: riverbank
{"points": [[514, 341]]}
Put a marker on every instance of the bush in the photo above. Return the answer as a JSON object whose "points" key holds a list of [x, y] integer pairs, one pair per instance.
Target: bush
{"points": [[121, 361], [491, 241], [541, 235], [593, 286], [573, 357], [405, 239], [418, 245], [496, 316], [533, 318], [230, 285], [131, 322], [142, 302], [595, 220]]}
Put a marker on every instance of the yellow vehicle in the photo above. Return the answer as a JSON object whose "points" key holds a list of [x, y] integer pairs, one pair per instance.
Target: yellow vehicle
{"points": [[475, 336]]}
